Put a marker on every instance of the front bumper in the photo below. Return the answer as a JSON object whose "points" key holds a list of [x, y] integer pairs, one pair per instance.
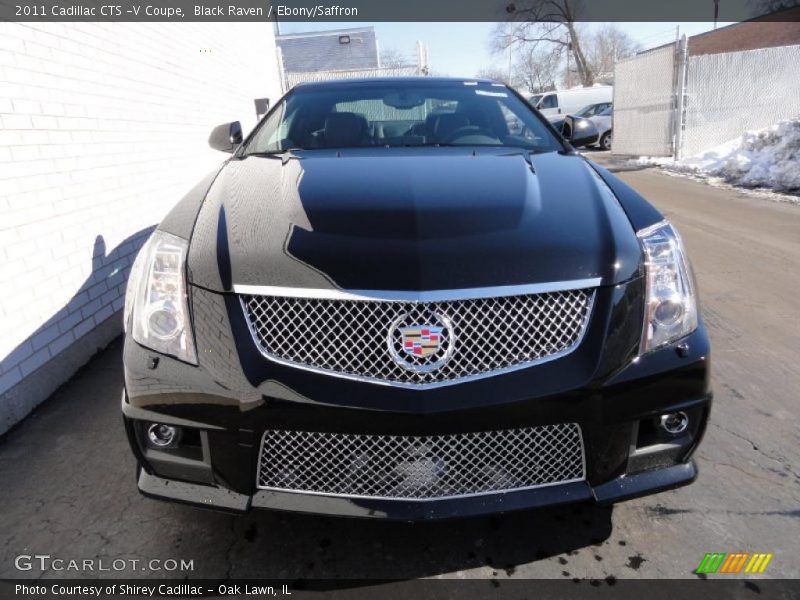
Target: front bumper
{"points": [[622, 460], [620, 488], [227, 403]]}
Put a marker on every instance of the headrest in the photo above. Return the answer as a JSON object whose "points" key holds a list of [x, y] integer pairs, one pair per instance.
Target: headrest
{"points": [[345, 129]]}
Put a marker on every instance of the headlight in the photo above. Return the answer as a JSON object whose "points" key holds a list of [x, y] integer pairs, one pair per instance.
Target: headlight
{"points": [[581, 124], [671, 310], [155, 301]]}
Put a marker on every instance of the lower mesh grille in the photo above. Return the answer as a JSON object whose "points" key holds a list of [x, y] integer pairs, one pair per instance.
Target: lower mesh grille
{"points": [[421, 467]]}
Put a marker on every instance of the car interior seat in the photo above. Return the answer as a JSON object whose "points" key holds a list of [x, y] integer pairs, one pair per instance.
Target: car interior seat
{"points": [[345, 129]]}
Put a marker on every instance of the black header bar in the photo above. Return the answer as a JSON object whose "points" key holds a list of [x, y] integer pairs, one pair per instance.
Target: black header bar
{"points": [[334, 11]]}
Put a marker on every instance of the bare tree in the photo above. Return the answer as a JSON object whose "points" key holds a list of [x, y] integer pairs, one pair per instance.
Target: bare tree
{"points": [[605, 46], [538, 69], [765, 7], [392, 58], [495, 73], [542, 23]]}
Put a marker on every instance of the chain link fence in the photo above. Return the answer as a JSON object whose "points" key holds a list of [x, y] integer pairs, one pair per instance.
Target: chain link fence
{"points": [[644, 103], [728, 94], [668, 105]]}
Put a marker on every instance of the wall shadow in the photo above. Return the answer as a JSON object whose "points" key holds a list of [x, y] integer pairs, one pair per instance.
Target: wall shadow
{"points": [[54, 355]]}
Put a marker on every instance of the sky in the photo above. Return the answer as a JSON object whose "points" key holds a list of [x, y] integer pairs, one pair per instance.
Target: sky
{"points": [[462, 49]]}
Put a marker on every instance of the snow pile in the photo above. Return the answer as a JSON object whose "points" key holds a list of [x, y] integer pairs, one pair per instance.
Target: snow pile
{"points": [[768, 158]]}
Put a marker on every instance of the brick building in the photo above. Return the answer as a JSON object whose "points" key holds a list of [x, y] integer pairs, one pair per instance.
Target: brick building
{"points": [[103, 128], [778, 29]]}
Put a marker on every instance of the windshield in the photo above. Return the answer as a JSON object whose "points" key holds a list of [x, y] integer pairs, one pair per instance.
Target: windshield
{"points": [[401, 113], [594, 109]]}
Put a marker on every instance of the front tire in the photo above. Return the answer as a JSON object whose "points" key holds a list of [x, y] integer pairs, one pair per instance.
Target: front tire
{"points": [[605, 140]]}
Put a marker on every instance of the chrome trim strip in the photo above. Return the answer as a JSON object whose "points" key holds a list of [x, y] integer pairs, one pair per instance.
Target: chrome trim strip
{"points": [[422, 296], [434, 499], [420, 386]]}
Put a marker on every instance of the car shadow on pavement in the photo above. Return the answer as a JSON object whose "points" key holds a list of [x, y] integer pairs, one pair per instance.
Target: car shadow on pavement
{"points": [[304, 546]]}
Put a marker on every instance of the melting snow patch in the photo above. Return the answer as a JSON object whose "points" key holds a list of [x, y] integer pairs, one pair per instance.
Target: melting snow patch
{"points": [[769, 158]]}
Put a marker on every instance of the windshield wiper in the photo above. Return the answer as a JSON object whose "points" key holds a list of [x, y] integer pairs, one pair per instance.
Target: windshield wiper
{"points": [[426, 145], [271, 152], [517, 151], [440, 145], [284, 155]]}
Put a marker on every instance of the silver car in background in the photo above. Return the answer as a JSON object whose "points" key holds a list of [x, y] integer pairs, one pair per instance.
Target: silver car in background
{"points": [[603, 122]]}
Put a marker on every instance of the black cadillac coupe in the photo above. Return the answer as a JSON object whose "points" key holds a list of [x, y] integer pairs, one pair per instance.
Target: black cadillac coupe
{"points": [[411, 299]]}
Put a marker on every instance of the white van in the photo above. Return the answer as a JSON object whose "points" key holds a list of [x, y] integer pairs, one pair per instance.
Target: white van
{"points": [[567, 102]]}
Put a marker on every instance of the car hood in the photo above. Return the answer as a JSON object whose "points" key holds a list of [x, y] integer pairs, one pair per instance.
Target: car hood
{"points": [[410, 219]]}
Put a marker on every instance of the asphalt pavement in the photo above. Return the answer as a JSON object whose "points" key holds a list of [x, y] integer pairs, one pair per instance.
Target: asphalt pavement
{"points": [[67, 484]]}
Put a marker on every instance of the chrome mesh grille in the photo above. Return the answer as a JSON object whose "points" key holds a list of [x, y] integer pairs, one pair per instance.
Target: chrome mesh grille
{"points": [[361, 338], [421, 467]]}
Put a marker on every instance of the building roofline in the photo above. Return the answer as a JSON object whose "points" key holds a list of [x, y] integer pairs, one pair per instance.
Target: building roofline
{"points": [[791, 13], [326, 32]]}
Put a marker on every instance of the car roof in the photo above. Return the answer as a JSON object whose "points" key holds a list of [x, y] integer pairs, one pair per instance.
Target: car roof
{"points": [[396, 80]]}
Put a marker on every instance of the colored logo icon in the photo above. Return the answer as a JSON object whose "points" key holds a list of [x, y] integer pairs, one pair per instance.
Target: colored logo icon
{"points": [[738, 562], [421, 340]]}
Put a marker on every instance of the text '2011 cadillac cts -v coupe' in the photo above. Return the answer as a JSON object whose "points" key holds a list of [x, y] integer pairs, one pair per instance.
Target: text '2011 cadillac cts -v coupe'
{"points": [[411, 299]]}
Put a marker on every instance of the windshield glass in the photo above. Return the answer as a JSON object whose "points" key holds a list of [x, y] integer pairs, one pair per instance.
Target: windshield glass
{"points": [[401, 113], [594, 109]]}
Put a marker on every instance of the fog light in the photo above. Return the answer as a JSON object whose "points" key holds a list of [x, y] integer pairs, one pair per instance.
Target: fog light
{"points": [[162, 436], [674, 423]]}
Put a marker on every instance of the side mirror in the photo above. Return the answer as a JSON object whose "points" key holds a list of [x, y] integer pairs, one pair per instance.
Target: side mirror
{"points": [[226, 137], [579, 131], [262, 107]]}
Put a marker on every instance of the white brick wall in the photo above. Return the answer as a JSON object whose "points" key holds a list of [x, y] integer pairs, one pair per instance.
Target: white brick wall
{"points": [[103, 127]]}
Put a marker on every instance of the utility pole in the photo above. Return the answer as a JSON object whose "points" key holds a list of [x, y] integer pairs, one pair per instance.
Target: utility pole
{"points": [[422, 58], [569, 75]]}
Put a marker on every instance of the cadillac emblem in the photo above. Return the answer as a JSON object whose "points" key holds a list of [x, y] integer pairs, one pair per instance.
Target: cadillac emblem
{"points": [[421, 343], [421, 340]]}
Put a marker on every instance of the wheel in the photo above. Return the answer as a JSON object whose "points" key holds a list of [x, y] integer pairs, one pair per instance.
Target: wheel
{"points": [[605, 140]]}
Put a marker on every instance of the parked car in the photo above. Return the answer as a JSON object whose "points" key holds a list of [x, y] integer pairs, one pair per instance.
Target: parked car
{"points": [[577, 130], [603, 122], [377, 307], [566, 102], [591, 110]]}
